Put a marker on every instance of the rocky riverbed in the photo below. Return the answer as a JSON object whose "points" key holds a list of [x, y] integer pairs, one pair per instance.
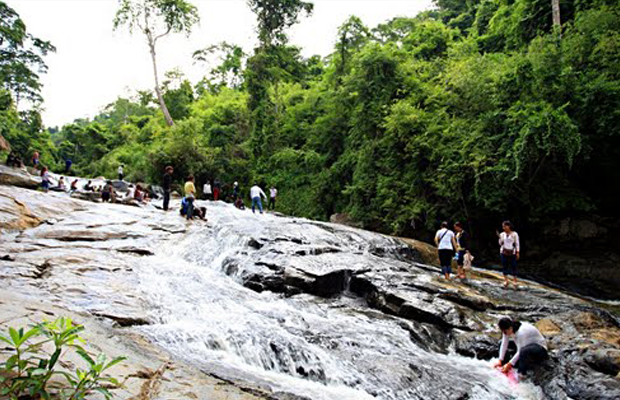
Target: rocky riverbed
{"points": [[251, 306]]}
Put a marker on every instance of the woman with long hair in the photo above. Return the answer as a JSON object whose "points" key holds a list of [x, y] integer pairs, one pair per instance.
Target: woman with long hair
{"points": [[509, 251]]}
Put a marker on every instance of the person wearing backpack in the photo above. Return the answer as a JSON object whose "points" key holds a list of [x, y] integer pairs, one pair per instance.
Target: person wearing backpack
{"points": [[446, 243], [509, 249]]}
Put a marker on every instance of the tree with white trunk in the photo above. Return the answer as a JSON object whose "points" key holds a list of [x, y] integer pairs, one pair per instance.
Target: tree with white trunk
{"points": [[157, 19]]}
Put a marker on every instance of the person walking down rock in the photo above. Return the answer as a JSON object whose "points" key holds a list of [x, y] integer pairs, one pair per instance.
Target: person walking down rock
{"points": [[273, 193], [217, 187], [190, 195], [445, 241], [255, 194], [167, 186], [462, 248], [121, 174], [531, 346], [207, 192], [509, 249]]}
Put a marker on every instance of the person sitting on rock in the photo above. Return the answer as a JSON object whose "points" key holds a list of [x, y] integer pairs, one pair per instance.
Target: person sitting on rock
{"points": [[108, 193], [140, 194], [239, 203], [61, 183], [531, 346], [10, 160], [89, 186]]}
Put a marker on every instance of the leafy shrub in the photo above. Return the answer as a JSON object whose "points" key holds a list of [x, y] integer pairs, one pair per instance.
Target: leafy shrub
{"points": [[27, 371]]}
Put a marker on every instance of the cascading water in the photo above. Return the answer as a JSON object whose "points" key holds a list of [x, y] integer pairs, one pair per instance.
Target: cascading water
{"points": [[309, 346]]}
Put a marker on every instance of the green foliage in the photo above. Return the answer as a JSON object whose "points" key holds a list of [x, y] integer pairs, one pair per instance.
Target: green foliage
{"points": [[477, 110], [21, 57], [275, 16], [174, 15], [36, 358]]}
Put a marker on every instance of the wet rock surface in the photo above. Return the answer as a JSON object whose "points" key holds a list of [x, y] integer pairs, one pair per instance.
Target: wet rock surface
{"points": [[285, 308]]}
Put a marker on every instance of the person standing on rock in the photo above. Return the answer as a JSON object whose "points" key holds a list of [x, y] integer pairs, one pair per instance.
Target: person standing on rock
{"points": [[531, 346], [68, 164], [167, 186], [273, 193], [462, 248], [45, 179], [446, 243], [509, 249], [235, 191], [255, 194], [35, 160], [190, 195], [120, 172], [217, 187], [207, 192]]}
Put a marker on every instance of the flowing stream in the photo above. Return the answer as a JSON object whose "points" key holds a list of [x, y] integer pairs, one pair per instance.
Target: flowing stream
{"points": [[312, 347]]}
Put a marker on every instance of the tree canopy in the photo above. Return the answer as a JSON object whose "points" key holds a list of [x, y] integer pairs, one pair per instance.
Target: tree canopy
{"points": [[473, 110]]}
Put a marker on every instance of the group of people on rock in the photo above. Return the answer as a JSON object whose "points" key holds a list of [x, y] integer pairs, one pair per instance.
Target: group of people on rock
{"points": [[213, 192], [456, 245], [531, 347], [14, 160]]}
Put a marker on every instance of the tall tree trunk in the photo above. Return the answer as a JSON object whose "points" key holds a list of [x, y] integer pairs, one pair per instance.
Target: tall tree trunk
{"points": [[160, 97], [4, 145], [555, 4]]}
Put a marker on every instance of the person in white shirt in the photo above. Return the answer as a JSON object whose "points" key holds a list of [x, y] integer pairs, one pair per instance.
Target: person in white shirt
{"points": [[531, 346], [255, 194], [273, 193], [206, 191], [509, 250], [446, 243], [120, 172]]}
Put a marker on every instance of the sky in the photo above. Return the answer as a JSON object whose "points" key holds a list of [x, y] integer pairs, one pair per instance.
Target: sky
{"points": [[94, 64]]}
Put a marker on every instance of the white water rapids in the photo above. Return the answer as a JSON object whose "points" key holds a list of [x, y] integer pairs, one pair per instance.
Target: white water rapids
{"points": [[305, 345]]}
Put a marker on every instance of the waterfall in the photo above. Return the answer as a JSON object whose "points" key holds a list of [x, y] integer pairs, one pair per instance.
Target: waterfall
{"points": [[310, 346]]}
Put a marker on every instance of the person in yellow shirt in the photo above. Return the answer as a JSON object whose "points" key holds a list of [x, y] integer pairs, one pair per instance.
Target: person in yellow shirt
{"points": [[190, 195]]}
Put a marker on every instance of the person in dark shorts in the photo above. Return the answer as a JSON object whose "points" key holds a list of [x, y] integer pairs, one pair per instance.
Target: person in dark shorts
{"points": [[462, 248], [444, 239], [509, 251], [106, 194]]}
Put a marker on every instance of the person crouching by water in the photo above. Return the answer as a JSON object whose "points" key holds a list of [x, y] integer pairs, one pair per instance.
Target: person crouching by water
{"points": [[444, 239], [531, 346], [509, 249], [190, 195], [462, 248]]}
